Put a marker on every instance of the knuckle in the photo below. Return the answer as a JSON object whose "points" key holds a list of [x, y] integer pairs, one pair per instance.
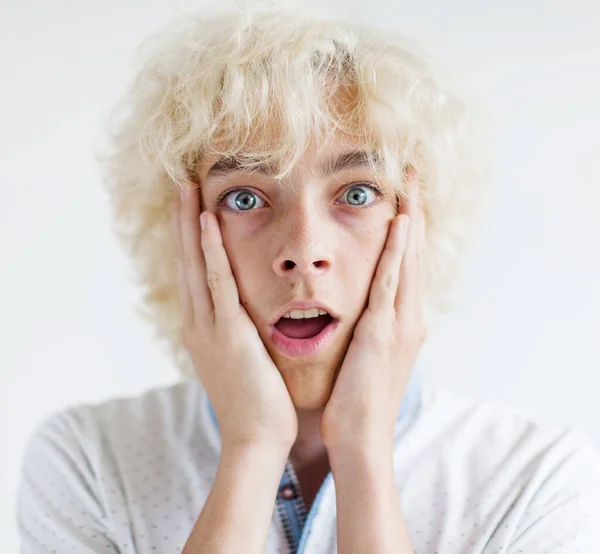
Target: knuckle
{"points": [[213, 279], [388, 282]]}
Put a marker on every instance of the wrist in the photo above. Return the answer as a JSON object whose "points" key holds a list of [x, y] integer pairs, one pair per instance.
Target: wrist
{"points": [[255, 450], [365, 455]]}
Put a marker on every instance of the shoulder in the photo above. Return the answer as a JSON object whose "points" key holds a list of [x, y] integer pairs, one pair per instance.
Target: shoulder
{"points": [[81, 464], [168, 405], [481, 433], [491, 422], [539, 482], [88, 430], [493, 437]]}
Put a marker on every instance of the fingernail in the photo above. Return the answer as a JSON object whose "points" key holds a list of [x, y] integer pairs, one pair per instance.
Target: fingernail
{"points": [[202, 220], [182, 193], [404, 224]]}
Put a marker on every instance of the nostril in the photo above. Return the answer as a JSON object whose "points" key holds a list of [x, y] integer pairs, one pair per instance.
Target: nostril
{"points": [[289, 264]]}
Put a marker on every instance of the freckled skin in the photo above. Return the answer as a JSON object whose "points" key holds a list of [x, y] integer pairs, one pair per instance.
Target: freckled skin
{"points": [[301, 242]]}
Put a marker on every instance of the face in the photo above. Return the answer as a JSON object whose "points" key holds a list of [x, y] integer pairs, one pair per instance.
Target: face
{"points": [[313, 237]]}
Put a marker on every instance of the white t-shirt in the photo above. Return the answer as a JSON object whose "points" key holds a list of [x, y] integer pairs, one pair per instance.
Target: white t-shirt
{"points": [[131, 475]]}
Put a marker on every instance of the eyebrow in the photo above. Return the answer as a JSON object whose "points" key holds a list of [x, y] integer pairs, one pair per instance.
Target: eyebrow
{"points": [[348, 160]]}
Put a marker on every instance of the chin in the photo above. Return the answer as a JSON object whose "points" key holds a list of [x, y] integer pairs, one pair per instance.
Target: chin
{"points": [[310, 401], [309, 387], [310, 380]]}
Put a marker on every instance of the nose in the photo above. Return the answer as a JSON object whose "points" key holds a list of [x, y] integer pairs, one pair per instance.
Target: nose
{"points": [[305, 245]]}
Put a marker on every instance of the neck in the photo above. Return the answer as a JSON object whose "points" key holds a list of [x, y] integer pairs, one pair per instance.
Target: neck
{"points": [[309, 446]]}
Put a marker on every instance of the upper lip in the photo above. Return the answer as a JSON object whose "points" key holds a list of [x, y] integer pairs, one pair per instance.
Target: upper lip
{"points": [[305, 306]]}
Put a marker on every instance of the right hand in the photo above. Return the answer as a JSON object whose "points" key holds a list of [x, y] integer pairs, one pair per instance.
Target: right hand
{"points": [[248, 394]]}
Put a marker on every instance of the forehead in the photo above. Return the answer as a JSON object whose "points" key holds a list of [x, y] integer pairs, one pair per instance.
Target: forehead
{"points": [[336, 154]]}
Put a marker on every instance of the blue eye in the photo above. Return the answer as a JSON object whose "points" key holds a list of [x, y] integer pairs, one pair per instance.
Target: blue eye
{"points": [[357, 196], [244, 200]]}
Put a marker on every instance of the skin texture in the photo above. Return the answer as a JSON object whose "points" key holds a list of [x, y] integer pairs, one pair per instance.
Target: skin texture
{"points": [[307, 237], [363, 407], [303, 239], [359, 420], [331, 249], [247, 391]]}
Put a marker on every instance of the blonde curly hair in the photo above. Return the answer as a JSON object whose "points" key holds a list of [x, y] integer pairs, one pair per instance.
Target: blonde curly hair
{"points": [[213, 83]]}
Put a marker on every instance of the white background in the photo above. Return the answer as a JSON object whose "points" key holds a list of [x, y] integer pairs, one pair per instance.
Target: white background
{"points": [[528, 331]]}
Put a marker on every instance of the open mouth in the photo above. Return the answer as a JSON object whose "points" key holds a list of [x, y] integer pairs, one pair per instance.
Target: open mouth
{"points": [[303, 328], [303, 337]]}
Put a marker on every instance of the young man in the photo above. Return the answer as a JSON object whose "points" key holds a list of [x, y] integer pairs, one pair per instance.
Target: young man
{"points": [[312, 183]]}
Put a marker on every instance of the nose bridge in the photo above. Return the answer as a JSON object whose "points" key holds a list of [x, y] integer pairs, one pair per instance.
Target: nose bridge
{"points": [[303, 246], [303, 223]]}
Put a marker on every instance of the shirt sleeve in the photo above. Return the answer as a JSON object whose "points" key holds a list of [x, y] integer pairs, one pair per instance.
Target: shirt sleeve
{"points": [[58, 504], [563, 516]]}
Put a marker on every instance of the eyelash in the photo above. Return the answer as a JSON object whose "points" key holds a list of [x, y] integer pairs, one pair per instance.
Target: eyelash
{"points": [[221, 199]]}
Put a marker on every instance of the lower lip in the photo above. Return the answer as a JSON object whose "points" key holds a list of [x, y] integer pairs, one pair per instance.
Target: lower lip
{"points": [[298, 348]]}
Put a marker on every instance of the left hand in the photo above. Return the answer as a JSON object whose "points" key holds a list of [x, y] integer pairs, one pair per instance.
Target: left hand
{"points": [[363, 407]]}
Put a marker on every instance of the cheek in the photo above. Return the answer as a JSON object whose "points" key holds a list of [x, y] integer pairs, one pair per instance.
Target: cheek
{"points": [[243, 261], [368, 266], [361, 264], [368, 248]]}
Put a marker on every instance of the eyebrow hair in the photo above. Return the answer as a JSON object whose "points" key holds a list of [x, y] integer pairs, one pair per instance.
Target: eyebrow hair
{"points": [[348, 160]]}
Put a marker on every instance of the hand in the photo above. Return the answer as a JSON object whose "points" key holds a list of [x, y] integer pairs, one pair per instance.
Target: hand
{"points": [[363, 407], [249, 395]]}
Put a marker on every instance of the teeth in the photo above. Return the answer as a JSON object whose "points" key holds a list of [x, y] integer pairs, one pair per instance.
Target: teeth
{"points": [[303, 314]]}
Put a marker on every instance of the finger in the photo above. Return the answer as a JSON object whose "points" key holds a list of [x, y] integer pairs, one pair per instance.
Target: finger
{"points": [[385, 282], [193, 260], [185, 299], [407, 294], [220, 279]]}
